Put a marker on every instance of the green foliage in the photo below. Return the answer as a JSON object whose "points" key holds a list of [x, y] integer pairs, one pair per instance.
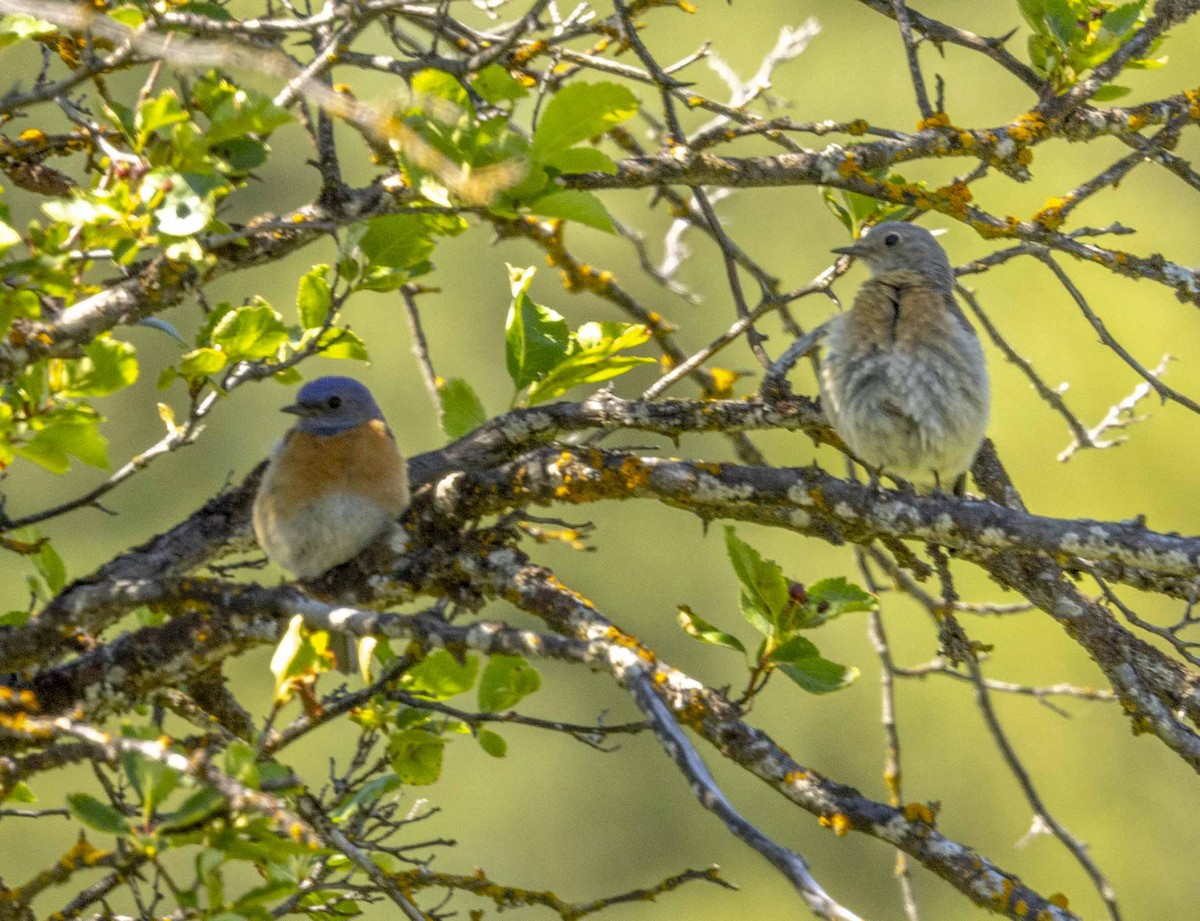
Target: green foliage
{"points": [[441, 676], [97, 815], [506, 681], [300, 653], [1071, 37], [857, 211], [446, 117], [189, 150], [545, 359], [257, 332], [387, 251], [462, 410], [779, 609]]}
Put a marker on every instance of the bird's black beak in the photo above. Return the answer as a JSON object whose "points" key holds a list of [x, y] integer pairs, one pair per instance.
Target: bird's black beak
{"points": [[301, 409], [855, 249]]}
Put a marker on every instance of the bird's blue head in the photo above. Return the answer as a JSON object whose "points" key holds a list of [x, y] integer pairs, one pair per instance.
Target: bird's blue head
{"points": [[330, 405]]}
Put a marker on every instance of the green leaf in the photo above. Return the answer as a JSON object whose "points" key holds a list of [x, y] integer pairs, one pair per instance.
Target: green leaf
{"points": [[496, 85], [834, 597], [764, 589], [160, 112], [1034, 12], [698, 628], [1109, 92], [241, 763], [1120, 21], [819, 676], [67, 434], [580, 160], [14, 618], [239, 156], [298, 653], [493, 743], [506, 680], [580, 111], [571, 205], [535, 337], [251, 332], [152, 780], [441, 676], [1064, 27], [462, 411], [18, 26], [416, 756], [20, 792], [592, 358], [442, 85], [193, 810], [795, 649], [368, 793], [340, 342], [108, 365], [313, 298], [244, 112], [199, 363], [396, 241], [95, 814], [8, 237], [50, 567], [17, 303]]}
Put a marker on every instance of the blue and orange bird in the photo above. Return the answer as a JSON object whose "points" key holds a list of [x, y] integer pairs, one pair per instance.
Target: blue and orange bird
{"points": [[904, 380], [332, 485]]}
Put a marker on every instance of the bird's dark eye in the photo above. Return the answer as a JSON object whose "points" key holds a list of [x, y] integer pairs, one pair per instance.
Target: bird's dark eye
{"points": [[891, 239], [333, 402]]}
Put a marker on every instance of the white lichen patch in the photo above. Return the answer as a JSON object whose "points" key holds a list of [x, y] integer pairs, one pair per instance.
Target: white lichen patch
{"points": [[829, 162], [446, 489], [844, 510], [797, 494], [1181, 277], [711, 489], [993, 537], [1067, 609], [1005, 147], [398, 541]]}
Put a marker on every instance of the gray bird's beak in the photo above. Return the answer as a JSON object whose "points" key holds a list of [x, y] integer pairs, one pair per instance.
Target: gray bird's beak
{"points": [[856, 249], [300, 409]]}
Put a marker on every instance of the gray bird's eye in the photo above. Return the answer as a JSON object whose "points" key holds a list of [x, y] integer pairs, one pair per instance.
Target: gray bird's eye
{"points": [[334, 402], [891, 239]]}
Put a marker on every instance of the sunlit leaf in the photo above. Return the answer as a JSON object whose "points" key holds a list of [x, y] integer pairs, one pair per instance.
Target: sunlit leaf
{"points": [[95, 814], [819, 676], [493, 743], [698, 628], [535, 337], [108, 365], [440, 676], [764, 588], [250, 332], [505, 682], [572, 205], [462, 410], [416, 756], [581, 111]]}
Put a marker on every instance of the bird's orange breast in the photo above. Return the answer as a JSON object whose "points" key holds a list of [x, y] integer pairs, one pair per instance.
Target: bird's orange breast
{"points": [[363, 461]]}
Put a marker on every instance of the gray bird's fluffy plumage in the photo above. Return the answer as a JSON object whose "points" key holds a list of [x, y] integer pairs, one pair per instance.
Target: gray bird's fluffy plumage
{"points": [[903, 379]]}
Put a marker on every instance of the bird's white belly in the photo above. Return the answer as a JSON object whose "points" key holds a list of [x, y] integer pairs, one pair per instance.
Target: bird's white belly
{"points": [[325, 533], [915, 418]]}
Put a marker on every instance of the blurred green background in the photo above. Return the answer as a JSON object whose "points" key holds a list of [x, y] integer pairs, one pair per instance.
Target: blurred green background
{"points": [[555, 814]]}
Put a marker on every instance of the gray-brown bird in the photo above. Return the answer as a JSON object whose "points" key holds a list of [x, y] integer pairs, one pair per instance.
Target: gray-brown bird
{"points": [[903, 378]]}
